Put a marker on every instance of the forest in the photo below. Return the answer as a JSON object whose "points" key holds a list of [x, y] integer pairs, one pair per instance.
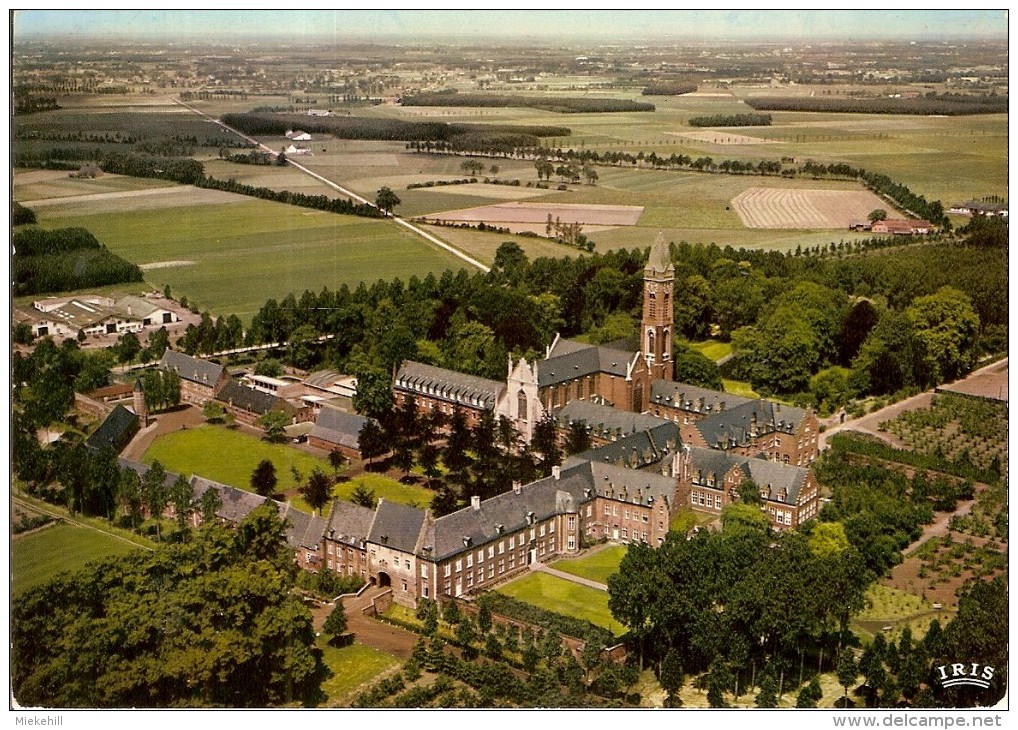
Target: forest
{"points": [[731, 120], [64, 260], [946, 104], [560, 104]]}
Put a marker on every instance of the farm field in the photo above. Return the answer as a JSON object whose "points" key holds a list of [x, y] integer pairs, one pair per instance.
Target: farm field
{"points": [[483, 245], [37, 185], [247, 251], [809, 209], [565, 597], [229, 457], [40, 556], [596, 567], [533, 217]]}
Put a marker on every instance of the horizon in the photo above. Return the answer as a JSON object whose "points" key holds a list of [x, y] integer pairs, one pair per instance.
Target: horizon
{"points": [[534, 26]]}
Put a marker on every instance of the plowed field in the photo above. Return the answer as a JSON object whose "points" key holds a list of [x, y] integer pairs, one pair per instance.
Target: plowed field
{"points": [[804, 209]]}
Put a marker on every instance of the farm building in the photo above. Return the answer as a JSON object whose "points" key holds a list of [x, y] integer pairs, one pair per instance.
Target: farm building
{"points": [[247, 405], [94, 315], [200, 380], [975, 207], [902, 227], [335, 430]]}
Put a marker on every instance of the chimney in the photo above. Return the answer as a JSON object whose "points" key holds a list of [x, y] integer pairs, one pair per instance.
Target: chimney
{"points": [[475, 502], [556, 472]]}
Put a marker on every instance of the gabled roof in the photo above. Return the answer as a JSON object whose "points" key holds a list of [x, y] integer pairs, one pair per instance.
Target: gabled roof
{"points": [[692, 397], [118, 428], [302, 530], [448, 385], [734, 425], [248, 399], [349, 523], [567, 360], [237, 504], [514, 510], [192, 369], [143, 469], [783, 482], [140, 308], [637, 450], [339, 427], [396, 526], [605, 421]]}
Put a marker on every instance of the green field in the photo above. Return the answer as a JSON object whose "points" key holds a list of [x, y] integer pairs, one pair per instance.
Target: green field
{"points": [[40, 556], [739, 387], [244, 252], [227, 456], [388, 489], [565, 597], [596, 567], [352, 668], [712, 349]]}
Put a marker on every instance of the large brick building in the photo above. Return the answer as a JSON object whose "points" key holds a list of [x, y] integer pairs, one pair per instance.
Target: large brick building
{"points": [[200, 380]]}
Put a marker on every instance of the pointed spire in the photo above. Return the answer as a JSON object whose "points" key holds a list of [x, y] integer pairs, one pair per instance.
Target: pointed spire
{"points": [[660, 258]]}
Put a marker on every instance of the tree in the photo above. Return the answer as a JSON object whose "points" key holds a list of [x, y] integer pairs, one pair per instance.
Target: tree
{"points": [[578, 438], [263, 478], [335, 623], [372, 440], [213, 412], [318, 490], [128, 347], [129, 495], [878, 214], [749, 493], [672, 677], [364, 497], [695, 368], [274, 423], [545, 442], [210, 504], [386, 200], [737, 517], [181, 495], [336, 461], [270, 367], [374, 393], [300, 344], [810, 695], [847, 671], [155, 494], [947, 325], [427, 613], [590, 174], [472, 167]]}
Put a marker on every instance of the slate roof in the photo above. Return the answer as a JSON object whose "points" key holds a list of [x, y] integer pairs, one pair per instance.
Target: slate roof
{"points": [[349, 523], [237, 504], [733, 425], [247, 399], [772, 475], [467, 390], [508, 512], [338, 427], [396, 526], [143, 469], [605, 421], [688, 397], [637, 450], [567, 360], [302, 530], [192, 369], [115, 431]]}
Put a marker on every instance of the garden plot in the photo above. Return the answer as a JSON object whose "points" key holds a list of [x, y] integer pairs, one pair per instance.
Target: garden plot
{"points": [[805, 209], [534, 217]]}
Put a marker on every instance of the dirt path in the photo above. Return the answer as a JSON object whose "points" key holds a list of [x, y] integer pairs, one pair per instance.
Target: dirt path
{"points": [[542, 568], [372, 632]]}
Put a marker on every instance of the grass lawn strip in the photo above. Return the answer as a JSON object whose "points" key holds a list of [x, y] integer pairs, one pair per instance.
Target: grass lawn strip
{"points": [[388, 489], [596, 567], [353, 668], [564, 597]]}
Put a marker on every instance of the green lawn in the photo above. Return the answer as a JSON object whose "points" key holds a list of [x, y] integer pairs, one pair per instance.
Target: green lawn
{"points": [[565, 597], [388, 489], [227, 456], [353, 667], [739, 387], [40, 556], [596, 567], [712, 349], [233, 256]]}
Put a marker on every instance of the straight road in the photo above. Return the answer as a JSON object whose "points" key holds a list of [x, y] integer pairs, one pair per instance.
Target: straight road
{"points": [[349, 193]]}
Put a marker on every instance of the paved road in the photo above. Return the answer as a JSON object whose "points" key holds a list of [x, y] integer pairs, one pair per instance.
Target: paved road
{"points": [[349, 193]]}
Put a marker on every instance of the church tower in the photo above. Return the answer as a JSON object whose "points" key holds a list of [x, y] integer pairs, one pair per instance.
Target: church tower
{"points": [[140, 406], [658, 311]]}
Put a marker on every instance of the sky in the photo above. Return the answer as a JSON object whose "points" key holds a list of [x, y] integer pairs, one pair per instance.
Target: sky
{"points": [[537, 25]]}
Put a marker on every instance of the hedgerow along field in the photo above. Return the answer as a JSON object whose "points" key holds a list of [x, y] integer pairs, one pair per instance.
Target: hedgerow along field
{"points": [[248, 250]]}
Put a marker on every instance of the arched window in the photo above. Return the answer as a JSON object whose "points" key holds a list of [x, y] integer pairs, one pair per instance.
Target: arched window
{"points": [[650, 343], [521, 405], [651, 303], [666, 345]]}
